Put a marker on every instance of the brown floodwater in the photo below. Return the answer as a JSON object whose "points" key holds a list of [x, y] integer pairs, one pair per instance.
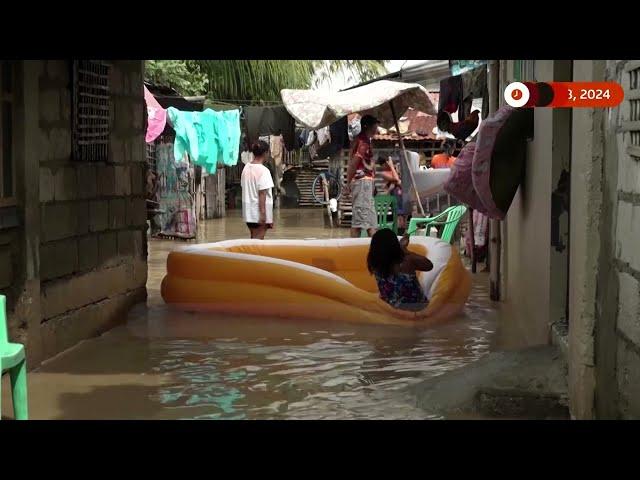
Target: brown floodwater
{"points": [[167, 364]]}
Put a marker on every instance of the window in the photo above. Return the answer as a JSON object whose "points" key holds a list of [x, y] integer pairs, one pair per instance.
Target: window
{"points": [[91, 110], [7, 171]]}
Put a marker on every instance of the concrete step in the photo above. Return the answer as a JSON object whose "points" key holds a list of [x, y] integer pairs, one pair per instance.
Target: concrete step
{"points": [[529, 383]]}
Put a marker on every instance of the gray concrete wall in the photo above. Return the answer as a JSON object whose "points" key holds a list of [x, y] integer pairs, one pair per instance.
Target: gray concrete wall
{"points": [[526, 245], [90, 217], [604, 324], [625, 243]]}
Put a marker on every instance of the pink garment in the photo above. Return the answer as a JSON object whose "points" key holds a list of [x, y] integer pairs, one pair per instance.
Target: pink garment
{"points": [[156, 117]]}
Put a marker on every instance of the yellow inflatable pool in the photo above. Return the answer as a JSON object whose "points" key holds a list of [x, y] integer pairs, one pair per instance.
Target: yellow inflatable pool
{"points": [[307, 279]]}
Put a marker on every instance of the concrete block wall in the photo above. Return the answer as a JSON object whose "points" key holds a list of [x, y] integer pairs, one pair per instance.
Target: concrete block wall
{"points": [[627, 254], [93, 215]]}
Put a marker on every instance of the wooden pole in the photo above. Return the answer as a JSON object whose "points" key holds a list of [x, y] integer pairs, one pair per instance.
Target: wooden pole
{"points": [[494, 225], [406, 158], [325, 187], [473, 242]]}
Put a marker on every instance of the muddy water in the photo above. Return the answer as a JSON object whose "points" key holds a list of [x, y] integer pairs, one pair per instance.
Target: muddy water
{"points": [[165, 364]]}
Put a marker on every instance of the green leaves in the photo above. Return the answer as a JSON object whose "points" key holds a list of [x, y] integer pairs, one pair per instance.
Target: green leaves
{"points": [[255, 81], [182, 75]]}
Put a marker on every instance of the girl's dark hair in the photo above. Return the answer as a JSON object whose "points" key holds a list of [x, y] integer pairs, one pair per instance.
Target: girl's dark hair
{"points": [[385, 252], [259, 148]]}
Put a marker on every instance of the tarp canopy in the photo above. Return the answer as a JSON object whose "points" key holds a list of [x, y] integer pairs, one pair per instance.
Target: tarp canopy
{"points": [[316, 109]]}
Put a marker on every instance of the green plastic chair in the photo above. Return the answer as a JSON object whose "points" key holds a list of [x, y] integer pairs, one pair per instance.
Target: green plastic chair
{"points": [[383, 205], [13, 359], [452, 215]]}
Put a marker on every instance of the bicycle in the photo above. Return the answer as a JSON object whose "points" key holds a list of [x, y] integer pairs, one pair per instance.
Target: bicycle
{"points": [[326, 186]]}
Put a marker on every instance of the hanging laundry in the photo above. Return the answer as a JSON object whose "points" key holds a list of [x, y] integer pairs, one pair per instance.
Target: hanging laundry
{"points": [[246, 157], [271, 121], [450, 94], [311, 138], [231, 145], [474, 85], [175, 195], [339, 133], [324, 136], [210, 138], [480, 236], [156, 117], [276, 148]]}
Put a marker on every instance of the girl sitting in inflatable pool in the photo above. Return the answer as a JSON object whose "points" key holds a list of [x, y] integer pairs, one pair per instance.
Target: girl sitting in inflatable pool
{"points": [[395, 267]]}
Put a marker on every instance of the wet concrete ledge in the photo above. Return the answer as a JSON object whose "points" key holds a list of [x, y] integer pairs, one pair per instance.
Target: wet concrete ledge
{"points": [[527, 384]]}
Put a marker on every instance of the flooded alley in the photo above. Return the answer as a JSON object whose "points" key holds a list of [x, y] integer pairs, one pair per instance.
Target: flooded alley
{"points": [[166, 364]]}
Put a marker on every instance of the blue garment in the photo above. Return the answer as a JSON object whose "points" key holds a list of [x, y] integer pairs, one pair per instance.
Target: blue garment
{"points": [[209, 137], [402, 290]]}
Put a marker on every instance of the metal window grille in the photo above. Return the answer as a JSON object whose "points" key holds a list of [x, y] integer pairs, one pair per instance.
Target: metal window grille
{"points": [[91, 110]]}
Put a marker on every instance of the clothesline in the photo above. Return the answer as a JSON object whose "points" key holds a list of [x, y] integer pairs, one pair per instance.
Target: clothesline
{"points": [[236, 102]]}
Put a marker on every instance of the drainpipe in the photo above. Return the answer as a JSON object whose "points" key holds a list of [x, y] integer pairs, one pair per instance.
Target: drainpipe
{"points": [[493, 78]]}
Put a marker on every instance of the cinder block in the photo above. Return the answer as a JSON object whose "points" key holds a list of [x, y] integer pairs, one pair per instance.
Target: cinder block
{"points": [[138, 115], [6, 268], [88, 252], [107, 247], [65, 331], [58, 221], [59, 71], [138, 149], [87, 180], [126, 243], [61, 296], [60, 143], [106, 180], [140, 244], [139, 277], [136, 212], [58, 259], [116, 80], [98, 215], [628, 174], [117, 213], [629, 307], [82, 210], [628, 233], [628, 373], [135, 81], [65, 184], [46, 185], [49, 102], [116, 150], [123, 180], [138, 178]]}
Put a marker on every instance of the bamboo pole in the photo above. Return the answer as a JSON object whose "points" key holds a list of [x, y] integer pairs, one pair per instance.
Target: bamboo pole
{"points": [[406, 158]]}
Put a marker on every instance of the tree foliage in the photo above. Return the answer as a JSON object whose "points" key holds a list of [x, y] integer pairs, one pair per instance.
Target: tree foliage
{"points": [[182, 75], [254, 80]]}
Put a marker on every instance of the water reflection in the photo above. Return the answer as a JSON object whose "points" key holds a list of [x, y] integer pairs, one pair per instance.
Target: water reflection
{"points": [[200, 366]]}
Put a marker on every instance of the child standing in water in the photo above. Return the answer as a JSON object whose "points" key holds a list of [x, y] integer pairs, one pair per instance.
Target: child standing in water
{"points": [[395, 269]]}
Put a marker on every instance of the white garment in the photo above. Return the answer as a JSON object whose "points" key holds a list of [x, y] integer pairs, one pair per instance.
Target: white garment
{"points": [[256, 177], [246, 157], [324, 136]]}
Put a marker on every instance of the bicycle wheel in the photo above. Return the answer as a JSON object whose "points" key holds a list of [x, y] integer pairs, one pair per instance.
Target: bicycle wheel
{"points": [[334, 187]]}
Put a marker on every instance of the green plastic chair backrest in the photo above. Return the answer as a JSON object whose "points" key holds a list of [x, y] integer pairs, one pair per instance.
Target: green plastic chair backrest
{"points": [[453, 218], [384, 204], [4, 334]]}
